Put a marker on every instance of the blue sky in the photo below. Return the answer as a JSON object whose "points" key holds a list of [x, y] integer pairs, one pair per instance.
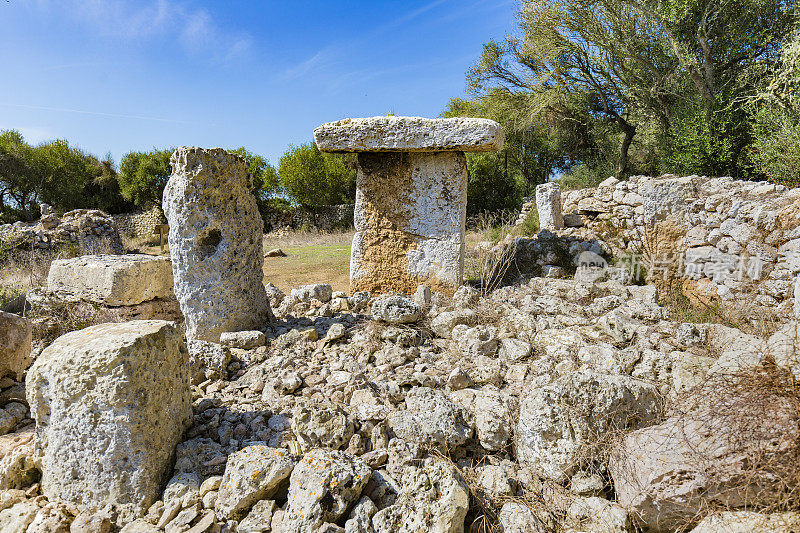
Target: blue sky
{"points": [[120, 75]]}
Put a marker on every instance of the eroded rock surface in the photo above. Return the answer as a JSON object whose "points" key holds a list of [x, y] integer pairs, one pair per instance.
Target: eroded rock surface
{"points": [[215, 236], [110, 403]]}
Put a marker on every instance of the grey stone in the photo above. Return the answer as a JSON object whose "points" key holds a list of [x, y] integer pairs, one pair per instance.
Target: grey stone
{"points": [[395, 309], [244, 340], [110, 403], [251, 474], [15, 338], [215, 238], [409, 134], [321, 426], [259, 519], [557, 421], [431, 418], [322, 487], [433, 498], [112, 280], [548, 204]]}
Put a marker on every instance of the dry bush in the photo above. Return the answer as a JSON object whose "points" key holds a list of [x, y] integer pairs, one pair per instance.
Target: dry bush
{"points": [[749, 445], [492, 253]]}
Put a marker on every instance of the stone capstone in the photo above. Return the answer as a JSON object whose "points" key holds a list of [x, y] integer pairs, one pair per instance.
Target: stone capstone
{"points": [[215, 238], [113, 280], [410, 134], [110, 403], [15, 338]]}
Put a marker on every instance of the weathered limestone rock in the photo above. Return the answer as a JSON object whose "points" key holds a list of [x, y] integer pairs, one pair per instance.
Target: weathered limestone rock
{"points": [[411, 197], [322, 487], [110, 403], [253, 473], [665, 475], [396, 309], [557, 421], [215, 238], [15, 338], [430, 418], [748, 521], [433, 499], [112, 280], [666, 196], [548, 204]]}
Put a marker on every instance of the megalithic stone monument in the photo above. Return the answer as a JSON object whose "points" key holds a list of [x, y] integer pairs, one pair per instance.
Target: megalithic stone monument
{"points": [[215, 242], [411, 197]]}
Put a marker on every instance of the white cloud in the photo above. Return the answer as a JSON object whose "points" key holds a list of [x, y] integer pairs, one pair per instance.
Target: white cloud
{"points": [[194, 28]]}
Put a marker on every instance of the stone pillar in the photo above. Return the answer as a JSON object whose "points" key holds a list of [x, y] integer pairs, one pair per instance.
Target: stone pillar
{"points": [[548, 204], [411, 197], [215, 242]]}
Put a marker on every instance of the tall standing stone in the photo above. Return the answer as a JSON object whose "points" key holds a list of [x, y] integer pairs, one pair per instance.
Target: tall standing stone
{"points": [[548, 204], [411, 197], [215, 241], [111, 403]]}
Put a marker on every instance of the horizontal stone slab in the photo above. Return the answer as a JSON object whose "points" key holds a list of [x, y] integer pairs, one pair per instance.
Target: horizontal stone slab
{"points": [[410, 134], [112, 280]]}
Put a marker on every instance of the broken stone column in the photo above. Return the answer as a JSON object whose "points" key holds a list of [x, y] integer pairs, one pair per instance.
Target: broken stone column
{"points": [[411, 197], [548, 204], [215, 241]]}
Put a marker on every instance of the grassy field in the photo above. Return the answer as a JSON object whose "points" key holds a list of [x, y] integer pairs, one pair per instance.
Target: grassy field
{"points": [[310, 258]]}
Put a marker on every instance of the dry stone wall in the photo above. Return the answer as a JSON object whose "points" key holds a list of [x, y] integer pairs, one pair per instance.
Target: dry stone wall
{"points": [[91, 231], [732, 239], [142, 224]]}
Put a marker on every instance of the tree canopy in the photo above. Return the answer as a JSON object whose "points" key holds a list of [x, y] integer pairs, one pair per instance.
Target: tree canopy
{"points": [[313, 178]]}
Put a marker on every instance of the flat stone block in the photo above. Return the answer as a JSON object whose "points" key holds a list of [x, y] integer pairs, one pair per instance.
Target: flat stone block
{"points": [[410, 134], [410, 215], [113, 280]]}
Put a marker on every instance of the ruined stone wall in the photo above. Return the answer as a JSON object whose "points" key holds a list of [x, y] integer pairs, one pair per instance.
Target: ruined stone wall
{"points": [[325, 218], [88, 230], [140, 224], [734, 239]]}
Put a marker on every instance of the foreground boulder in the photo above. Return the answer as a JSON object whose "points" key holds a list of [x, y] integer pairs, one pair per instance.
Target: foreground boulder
{"points": [[110, 404], [433, 499], [251, 474], [112, 280], [322, 487], [215, 241], [557, 422], [15, 338], [721, 453]]}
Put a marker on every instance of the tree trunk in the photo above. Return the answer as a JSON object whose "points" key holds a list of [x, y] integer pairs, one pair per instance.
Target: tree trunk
{"points": [[622, 164]]}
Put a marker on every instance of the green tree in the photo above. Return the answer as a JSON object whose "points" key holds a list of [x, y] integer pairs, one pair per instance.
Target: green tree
{"points": [[143, 176], [265, 178], [604, 51], [776, 149], [20, 176], [313, 178]]}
